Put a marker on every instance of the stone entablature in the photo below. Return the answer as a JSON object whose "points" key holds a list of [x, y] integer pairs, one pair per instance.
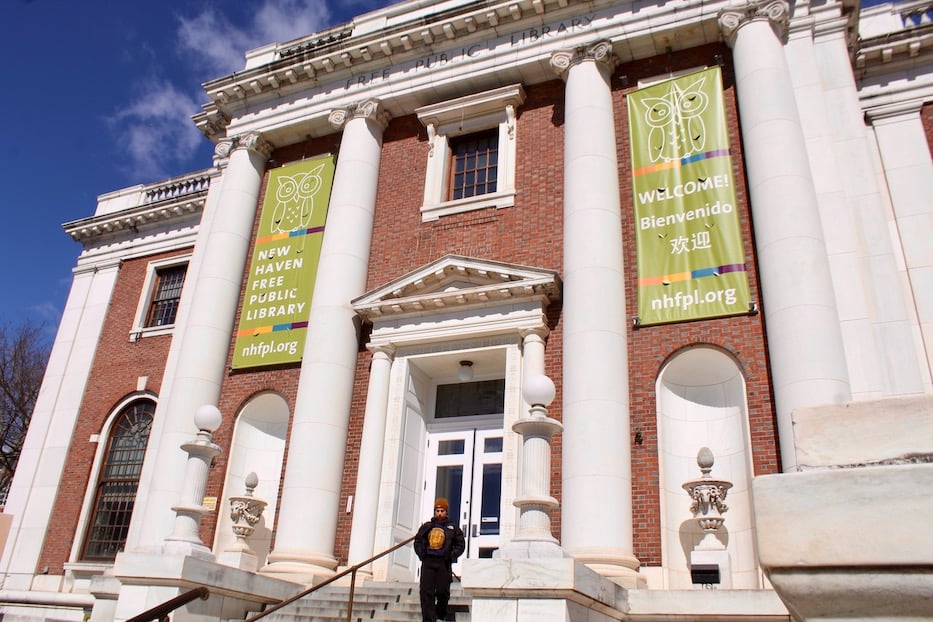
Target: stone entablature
{"points": [[911, 46], [130, 211], [408, 65], [322, 57], [895, 36]]}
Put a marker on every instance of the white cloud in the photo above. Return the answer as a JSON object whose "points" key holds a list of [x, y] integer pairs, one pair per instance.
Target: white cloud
{"points": [[219, 45], [156, 132]]}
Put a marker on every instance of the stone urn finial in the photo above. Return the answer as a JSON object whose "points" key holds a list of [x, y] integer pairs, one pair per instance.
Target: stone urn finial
{"points": [[708, 494], [245, 511]]}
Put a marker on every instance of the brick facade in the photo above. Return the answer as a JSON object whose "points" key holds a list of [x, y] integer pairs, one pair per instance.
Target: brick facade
{"points": [[118, 365], [529, 233]]}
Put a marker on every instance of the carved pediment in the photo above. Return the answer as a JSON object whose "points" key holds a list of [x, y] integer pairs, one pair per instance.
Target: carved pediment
{"points": [[455, 282]]}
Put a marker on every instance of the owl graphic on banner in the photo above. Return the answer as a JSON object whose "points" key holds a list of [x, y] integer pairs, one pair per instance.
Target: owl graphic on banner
{"points": [[677, 128]]}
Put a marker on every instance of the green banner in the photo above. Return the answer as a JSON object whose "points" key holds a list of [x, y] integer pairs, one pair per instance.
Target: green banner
{"points": [[277, 302], [691, 263]]}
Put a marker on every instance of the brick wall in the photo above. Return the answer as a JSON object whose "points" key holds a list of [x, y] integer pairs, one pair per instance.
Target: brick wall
{"points": [[118, 363]]}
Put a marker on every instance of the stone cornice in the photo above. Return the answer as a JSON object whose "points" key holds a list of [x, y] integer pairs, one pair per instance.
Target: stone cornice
{"points": [[513, 40], [319, 57], [886, 52], [177, 200]]}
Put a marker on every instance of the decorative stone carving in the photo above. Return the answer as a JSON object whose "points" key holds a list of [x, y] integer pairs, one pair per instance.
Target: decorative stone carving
{"points": [[733, 17], [254, 141], [222, 151], [601, 52], [708, 494], [245, 512], [370, 109]]}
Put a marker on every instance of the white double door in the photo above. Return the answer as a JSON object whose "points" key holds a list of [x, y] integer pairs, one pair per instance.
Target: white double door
{"points": [[465, 467]]}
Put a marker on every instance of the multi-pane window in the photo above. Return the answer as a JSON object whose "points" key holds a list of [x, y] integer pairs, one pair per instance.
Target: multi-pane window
{"points": [[167, 293], [471, 152], [119, 479], [464, 399], [475, 164]]}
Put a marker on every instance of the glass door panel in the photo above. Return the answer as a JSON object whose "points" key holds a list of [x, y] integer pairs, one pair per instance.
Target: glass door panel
{"points": [[465, 467]]}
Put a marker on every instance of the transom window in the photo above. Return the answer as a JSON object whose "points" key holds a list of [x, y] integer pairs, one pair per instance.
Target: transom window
{"points": [[475, 159], [466, 399], [164, 306], [119, 480]]}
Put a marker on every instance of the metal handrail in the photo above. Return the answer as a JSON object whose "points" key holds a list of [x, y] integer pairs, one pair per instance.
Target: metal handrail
{"points": [[160, 612], [349, 571]]}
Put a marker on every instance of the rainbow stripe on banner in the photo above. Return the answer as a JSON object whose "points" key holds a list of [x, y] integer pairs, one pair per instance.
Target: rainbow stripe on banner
{"points": [[673, 164], [273, 328], [667, 279], [277, 237]]}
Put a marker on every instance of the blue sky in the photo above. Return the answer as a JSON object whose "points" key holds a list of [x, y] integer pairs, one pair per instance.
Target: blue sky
{"points": [[97, 95]]}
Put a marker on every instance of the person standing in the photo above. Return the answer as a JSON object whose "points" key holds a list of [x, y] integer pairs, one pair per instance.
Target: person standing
{"points": [[438, 544]]}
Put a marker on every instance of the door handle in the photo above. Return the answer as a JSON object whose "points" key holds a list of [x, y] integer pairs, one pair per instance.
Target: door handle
{"points": [[475, 531]]}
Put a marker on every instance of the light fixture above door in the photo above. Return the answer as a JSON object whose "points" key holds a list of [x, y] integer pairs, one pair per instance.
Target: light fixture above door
{"points": [[465, 373]]}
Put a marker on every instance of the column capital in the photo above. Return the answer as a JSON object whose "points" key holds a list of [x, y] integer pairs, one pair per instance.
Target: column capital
{"points": [[383, 351], [255, 142], [539, 333], [222, 151], [369, 109], [600, 51], [731, 18], [251, 141]]}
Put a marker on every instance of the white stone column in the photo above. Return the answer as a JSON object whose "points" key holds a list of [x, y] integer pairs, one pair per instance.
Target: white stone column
{"points": [[304, 542], [369, 471], [202, 338], [905, 155], [533, 346], [596, 515], [38, 474], [808, 363]]}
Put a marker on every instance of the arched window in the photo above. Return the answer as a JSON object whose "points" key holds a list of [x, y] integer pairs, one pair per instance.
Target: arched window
{"points": [[119, 479]]}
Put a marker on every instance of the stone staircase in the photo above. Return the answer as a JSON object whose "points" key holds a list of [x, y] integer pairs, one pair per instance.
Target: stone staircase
{"points": [[386, 602]]}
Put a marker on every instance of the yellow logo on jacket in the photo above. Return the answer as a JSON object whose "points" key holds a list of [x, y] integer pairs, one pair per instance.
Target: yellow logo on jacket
{"points": [[436, 538]]}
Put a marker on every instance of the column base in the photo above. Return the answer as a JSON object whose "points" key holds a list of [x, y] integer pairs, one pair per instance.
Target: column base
{"points": [[306, 569], [618, 566], [542, 590], [183, 548], [531, 549]]}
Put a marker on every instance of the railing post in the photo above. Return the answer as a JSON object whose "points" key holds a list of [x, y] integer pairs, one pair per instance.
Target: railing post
{"points": [[352, 592]]}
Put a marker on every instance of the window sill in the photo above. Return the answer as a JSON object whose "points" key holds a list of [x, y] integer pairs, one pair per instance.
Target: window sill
{"points": [[138, 333], [498, 200]]}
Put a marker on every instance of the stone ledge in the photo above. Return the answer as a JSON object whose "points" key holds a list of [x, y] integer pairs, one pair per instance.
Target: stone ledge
{"points": [[861, 433]]}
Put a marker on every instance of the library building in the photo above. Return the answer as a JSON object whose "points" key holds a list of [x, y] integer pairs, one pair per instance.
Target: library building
{"points": [[643, 289]]}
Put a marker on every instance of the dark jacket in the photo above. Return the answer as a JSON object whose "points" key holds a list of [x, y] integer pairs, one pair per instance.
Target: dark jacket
{"points": [[439, 540]]}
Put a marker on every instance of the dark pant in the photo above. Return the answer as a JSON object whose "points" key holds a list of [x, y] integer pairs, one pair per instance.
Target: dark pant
{"points": [[435, 589]]}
